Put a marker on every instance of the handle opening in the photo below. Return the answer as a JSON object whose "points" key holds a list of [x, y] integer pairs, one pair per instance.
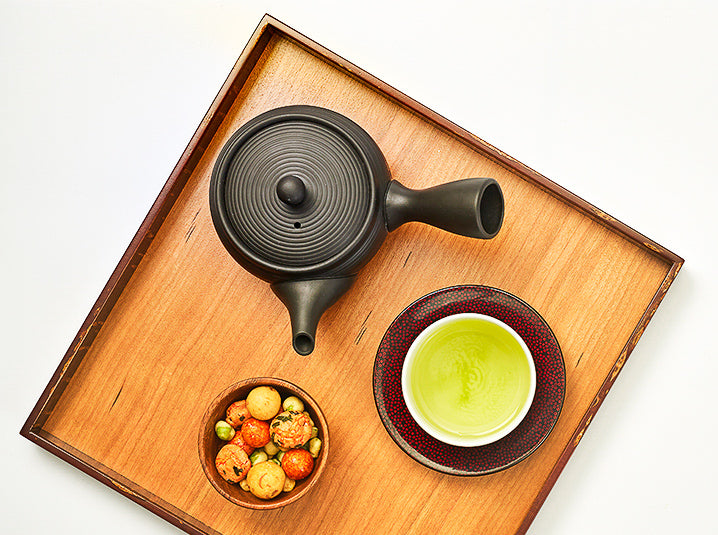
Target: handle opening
{"points": [[491, 209]]}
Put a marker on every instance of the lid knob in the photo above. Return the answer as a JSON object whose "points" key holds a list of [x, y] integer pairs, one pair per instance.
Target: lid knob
{"points": [[291, 190]]}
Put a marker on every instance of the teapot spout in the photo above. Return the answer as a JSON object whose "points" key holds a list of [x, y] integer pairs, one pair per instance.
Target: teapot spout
{"points": [[306, 301]]}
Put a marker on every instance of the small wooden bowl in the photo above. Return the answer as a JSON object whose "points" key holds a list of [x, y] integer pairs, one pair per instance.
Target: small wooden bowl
{"points": [[209, 444]]}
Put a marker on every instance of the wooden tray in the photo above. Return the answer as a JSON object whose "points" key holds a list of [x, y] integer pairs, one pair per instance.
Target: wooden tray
{"points": [[179, 320]]}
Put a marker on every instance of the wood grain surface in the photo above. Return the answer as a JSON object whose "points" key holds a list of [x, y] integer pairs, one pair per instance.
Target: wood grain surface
{"points": [[180, 321]]}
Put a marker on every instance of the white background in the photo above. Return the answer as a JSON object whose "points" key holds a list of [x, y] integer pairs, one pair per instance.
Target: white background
{"points": [[616, 101]]}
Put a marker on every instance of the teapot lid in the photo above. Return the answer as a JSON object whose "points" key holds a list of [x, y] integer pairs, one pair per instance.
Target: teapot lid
{"points": [[293, 192]]}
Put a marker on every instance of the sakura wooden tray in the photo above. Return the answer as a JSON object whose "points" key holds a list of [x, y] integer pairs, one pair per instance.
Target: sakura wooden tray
{"points": [[179, 320]]}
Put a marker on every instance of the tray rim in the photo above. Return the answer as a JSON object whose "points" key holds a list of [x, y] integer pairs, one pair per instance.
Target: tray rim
{"points": [[267, 28]]}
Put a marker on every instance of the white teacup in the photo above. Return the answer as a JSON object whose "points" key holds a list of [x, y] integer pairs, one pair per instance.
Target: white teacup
{"points": [[468, 379]]}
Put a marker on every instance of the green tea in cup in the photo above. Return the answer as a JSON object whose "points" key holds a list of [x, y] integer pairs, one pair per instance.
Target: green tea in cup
{"points": [[468, 379]]}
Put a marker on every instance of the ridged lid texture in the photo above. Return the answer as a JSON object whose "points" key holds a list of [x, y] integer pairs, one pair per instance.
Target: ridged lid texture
{"points": [[337, 184]]}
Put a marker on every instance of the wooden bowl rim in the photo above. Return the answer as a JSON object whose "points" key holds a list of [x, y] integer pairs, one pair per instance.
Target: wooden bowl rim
{"points": [[221, 399]]}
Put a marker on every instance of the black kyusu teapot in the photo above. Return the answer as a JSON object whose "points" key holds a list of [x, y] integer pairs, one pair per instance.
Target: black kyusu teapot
{"points": [[302, 197]]}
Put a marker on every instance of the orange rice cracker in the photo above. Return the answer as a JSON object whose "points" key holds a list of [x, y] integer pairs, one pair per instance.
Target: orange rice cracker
{"points": [[233, 463], [290, 429]]}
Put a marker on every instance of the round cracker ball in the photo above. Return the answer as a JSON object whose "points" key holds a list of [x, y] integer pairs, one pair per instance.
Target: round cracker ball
{"points": [[266, 480], [232, 463], [264, 402], [238, 440], [297, 464], [255, 432], [237, 413], [290, 429]]}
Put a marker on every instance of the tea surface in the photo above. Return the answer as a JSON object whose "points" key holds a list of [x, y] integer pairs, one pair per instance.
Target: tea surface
{"points": [[470, 378]]}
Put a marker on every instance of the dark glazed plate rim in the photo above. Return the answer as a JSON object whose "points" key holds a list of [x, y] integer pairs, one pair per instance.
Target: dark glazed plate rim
{"points": [[479, 460]]}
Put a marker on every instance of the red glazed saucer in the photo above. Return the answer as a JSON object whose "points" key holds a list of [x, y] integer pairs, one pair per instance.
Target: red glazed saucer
{"points": [[536, 425]]}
